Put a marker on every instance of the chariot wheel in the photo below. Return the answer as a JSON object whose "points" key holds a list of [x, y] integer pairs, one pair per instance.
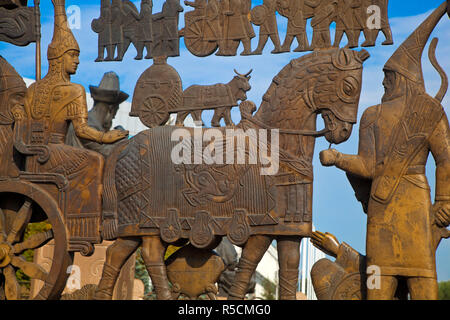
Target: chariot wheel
{"points": [[30, 219], [194, 41], [154, 111]]}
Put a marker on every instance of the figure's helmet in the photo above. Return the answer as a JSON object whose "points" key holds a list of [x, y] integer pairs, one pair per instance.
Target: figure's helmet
{"points": [[63, 38], [407, 59], [9, 80]]}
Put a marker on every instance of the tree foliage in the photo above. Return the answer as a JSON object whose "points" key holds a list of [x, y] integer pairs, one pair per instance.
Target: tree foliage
{"points": [[269, 290], [444, 290]]}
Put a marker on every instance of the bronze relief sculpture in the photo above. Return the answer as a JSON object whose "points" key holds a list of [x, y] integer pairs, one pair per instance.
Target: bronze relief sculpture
{"points": [[388, 173], [154, 202], [220, 26], [137, 196]]}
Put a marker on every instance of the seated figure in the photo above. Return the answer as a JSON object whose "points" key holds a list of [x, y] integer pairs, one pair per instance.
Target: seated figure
{"points": [[51, 105]]}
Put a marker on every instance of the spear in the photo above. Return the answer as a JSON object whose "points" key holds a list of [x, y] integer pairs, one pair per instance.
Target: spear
{"points": [[37, 14]]}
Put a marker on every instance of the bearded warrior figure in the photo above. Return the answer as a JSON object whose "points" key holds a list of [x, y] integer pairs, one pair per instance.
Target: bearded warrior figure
{"points": [[12, 93], [51, 105], [396, 137]]}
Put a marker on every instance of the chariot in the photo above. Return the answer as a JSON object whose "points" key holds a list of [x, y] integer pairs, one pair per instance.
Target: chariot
{"points": [[202, 30]]}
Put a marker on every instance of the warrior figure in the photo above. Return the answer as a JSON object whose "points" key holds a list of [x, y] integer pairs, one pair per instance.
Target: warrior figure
{"points": [[344, 24], [358, 22], [372, 34], [324, 12], [269, 28], [166, 38], [107, 99], [51, 104], [102, 26], [117, 29], [12, 94], [145, 30], [131, 26], [235, 27], [396, 138], [293, 10]]}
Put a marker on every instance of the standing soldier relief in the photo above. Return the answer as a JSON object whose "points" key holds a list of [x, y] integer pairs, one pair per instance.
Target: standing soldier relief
{"points": [[144, 30], [268, 28], [102, 26], [293, 10], [371, 34]]}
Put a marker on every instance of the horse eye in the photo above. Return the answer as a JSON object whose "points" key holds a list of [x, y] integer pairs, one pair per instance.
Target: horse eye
{"points": [[349, 86]]}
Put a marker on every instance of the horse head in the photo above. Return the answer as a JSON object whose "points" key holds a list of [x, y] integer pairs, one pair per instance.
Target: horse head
{"points": [[333, 89]]}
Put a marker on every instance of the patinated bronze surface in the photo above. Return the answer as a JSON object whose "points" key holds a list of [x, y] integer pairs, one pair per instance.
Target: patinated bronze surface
{"points": [[155, 202], [345, 278], [121, 24], [222, 25], [139, 197], [194, 272], [20, 24], [43, 179], [230, 258], [396, 137]]}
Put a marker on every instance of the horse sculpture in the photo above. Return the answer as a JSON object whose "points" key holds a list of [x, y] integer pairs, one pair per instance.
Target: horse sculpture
{"points": [[151, 202]]}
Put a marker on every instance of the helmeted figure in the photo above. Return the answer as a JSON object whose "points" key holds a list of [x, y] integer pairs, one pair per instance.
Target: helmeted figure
{"points": [[12, 93], [396, 138], [51, 104]]}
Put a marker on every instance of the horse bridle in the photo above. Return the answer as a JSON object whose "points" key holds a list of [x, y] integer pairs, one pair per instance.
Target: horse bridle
{"points": [[308, 133]]}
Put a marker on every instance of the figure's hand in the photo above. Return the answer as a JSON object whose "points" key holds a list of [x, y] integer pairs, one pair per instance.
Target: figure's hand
{"points": [[441, 210], [326, 242], [114, 135], [328, 157]]}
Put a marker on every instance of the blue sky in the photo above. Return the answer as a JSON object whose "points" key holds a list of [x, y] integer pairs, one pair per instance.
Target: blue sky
{"points": [[335, 208]]}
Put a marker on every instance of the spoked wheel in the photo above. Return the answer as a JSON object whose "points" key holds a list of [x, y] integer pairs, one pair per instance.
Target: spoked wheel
{"points": [[29, 219], [154, 111], [194, 39]]}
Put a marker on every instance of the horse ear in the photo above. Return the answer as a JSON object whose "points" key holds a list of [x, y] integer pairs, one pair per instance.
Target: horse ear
{"points": [[363, 55]]}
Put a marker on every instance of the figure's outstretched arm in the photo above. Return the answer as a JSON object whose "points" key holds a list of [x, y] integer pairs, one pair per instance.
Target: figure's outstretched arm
{"points": [[77, 113], [440, 148], [363, 164], [83, 131]]}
